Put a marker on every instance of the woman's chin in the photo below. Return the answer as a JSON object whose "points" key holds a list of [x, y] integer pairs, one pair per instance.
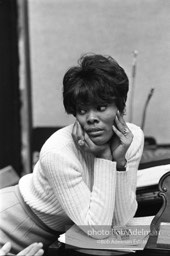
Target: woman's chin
{"points": [[99, 141]]}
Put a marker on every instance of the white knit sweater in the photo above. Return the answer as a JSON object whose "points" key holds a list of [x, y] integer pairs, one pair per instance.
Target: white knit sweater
{"points": [[68, 186]]}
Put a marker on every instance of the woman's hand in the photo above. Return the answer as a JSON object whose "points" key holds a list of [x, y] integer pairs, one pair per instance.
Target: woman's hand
{"points": [[122, 141], [5, 249], [84, 142], [34, 249]]}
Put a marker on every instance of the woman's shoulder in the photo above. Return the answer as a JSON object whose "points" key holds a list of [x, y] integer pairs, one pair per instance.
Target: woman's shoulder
{"points": [[138, 139], [135, 129]]}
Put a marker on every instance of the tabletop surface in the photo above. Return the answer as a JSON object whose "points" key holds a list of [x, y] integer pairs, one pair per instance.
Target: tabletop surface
{"points": [[71, 252]]}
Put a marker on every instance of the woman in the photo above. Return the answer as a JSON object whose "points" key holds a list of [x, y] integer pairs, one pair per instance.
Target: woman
{"points": [[87, 171]]}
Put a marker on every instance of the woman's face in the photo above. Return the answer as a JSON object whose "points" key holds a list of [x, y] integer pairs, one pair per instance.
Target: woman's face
{"points": [[97, 121]]}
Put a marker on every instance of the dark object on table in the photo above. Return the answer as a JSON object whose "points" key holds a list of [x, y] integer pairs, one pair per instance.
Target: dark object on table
{"points": [[162, 217]]}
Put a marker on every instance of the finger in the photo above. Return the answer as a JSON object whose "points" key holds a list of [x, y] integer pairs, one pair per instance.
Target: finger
{"points": [[26, 250], [88, 142], [115, 143], [40, 252], [80, 133], [120, 117], [118, 133], [118, 123], [35, 249], [30, 250], [5, 249], [123, 133], [77, 135], [121, 125]]}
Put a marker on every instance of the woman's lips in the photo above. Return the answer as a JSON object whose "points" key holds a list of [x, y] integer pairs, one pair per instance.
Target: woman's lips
{"points": [[95, 133]]}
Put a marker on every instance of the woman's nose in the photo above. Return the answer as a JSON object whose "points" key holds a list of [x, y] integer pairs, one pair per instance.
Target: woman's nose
{"points": [[92, 117]]}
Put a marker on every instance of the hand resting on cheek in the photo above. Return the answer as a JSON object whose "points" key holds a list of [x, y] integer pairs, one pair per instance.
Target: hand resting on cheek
{"points": [[121, 142]]}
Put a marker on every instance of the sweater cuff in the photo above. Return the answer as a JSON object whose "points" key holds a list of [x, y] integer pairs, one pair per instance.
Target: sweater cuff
{"points": [[100, 163]]}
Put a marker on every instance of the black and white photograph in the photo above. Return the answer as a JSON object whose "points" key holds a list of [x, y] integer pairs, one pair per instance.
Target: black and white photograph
{"points": [[85, 127]]}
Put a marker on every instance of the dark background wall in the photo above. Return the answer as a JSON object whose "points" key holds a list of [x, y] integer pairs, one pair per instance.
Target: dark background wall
{"points": [[10, 143]]}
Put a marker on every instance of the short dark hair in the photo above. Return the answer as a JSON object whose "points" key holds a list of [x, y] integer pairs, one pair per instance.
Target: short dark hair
{"points": [[96, 80]]}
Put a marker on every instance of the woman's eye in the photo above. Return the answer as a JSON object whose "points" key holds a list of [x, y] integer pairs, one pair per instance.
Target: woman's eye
{"points": [[101, 108], [82, 111]]}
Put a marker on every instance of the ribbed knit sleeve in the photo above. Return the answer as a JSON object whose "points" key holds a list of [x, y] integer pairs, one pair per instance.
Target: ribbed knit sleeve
{"points": [[83, 205], [125, 203]]}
